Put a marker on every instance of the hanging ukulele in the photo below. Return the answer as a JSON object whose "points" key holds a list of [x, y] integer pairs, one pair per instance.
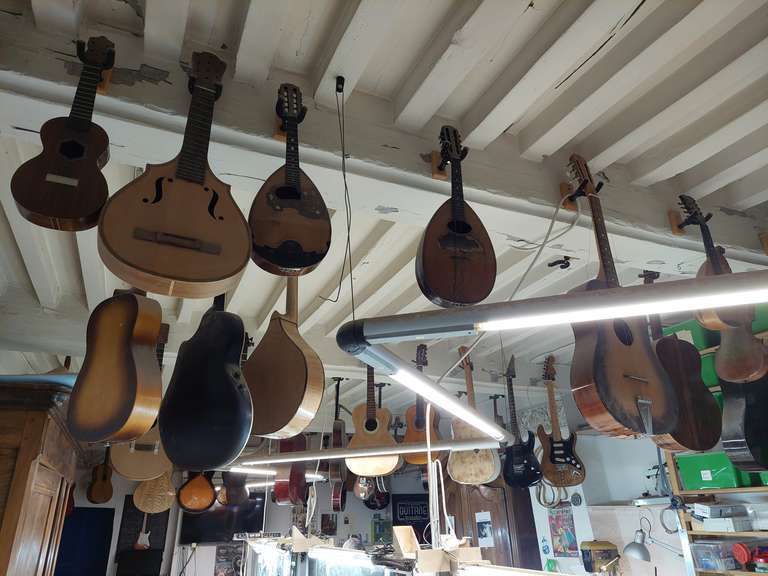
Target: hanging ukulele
{"points": [[700, 421], [337, 470], [521, 469], [559, 462], [290, 225], [176, 230], [740, 357], [617, 382], [416, 418], [455, 262], [63, 188], [287, 372]]}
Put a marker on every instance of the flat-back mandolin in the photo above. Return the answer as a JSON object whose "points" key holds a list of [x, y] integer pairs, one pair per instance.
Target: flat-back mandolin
{"points": [[176, 230], [618, 384], [290, 225], [455, 262], [416, 418], [63, 188]]}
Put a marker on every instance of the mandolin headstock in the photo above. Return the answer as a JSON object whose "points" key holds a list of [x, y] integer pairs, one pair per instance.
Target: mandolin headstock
{"points": [[421, 356], [451, 149], [580, 176], [207, 72], [98, 52], [549, 369], [693, 214], [289, 104]]}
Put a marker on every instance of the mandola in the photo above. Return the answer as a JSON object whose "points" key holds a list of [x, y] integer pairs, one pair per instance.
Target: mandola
{"points": [[617, 381], [63, 188], [455, 263], [416, 418], [117, 392], [290, 225], [176, 230]]}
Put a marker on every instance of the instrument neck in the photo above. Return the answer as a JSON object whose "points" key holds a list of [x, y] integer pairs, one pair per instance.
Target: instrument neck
{"points": [[470, 385], [513, 425], [81, 112], [656, 330], [713, 254], [292, 299], [420, 419], [457, 192], [607, 267], [336, 410], [292, 171], [193, 159], [370, 396], [553, 417]]}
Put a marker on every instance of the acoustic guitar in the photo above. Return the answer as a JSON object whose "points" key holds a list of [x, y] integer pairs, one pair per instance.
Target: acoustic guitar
{"points": [[205, 415], [337, 470], [560, 464], [290, 482], [99, 490], [700, 421], [290, 225], [117, 392], [521, 468], [455, 262], [144, 458], [741, 357], [745, 427], [416, 421], [233, 491], [198, 493], [618, 384], [176, 230], [63, 188], [372, 429], [142, 541], [156, 495], [284, 369], [471, 466]]}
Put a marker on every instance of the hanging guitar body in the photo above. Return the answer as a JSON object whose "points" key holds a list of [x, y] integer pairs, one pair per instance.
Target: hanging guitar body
{"points": [[197, 494], [745, 427], [290, 482], [99, 491], [521, 468], [117, 392], [233, 491], [205, 416], [141, 459], [379, 497], [63, 188], [455, 262]]}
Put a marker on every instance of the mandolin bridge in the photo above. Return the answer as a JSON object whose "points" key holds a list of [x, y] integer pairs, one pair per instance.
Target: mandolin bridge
{"points": [[185, 242]]}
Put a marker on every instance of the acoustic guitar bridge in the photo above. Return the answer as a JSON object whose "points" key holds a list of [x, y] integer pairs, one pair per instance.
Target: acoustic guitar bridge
{"points": [[174, 240]]}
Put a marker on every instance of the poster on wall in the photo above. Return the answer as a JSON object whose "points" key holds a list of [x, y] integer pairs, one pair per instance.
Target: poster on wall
{"points": [[229, 559], [411, 510], [563, 531], [484, 530]]}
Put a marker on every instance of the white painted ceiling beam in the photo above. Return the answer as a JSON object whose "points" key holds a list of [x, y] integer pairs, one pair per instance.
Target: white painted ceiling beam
{"points": [[274, 303], [573, 42], [58, 16], [165, 25], [259, 41], [359, 31], [607, 146], [189, 308], [470, 31], [746, 192], [698, 29]]}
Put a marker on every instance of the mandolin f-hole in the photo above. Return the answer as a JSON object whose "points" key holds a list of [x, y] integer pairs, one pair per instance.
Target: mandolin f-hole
{"points": [[459, 227], [623, 332]]}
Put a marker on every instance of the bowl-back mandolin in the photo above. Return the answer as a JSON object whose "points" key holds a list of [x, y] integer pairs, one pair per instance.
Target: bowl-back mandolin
{"points": [[63, 188], [198, 493], [176, 230], [455, 262], [416, 418]]}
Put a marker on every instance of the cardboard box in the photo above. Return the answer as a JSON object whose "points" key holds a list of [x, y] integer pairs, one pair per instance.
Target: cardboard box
{"points": [[727, 524], [719, 510]]}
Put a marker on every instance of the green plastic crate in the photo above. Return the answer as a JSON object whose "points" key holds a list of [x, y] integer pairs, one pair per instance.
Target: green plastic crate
{"points": [[700, 336], [709, 470]]}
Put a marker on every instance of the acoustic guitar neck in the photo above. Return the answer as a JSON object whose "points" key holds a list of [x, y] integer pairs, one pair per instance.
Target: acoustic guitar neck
{"points": [[421, 361], [81, 112], [467, 364], [292, 299], [370, 396], [654, 320]]}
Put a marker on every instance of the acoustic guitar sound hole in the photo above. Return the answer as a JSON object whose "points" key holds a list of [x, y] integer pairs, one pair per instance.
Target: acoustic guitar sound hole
{"points": [[287, 193], [371, 425], [459, 227], [623, 332]]}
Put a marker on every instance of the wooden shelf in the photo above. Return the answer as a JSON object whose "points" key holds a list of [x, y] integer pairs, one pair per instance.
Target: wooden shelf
{"points": [[751, 534], [743, 490]]}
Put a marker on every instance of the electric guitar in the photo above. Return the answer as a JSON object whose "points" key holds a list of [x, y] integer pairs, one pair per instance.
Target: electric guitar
{"points": [[99, 490], [618, 384], [560, 464], [741, 357], [290, 225], [372, 429], [416, 421], [700, 421], [337, 470], [176, 230], [521, 468], [455, 262], [471, 466], [63, 188], [142, 542]]}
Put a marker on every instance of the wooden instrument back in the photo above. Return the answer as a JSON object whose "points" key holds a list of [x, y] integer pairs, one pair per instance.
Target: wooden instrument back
{"points": [[63, 188], [233, 491], [141, 459], [284, 370], [197, 494], [99, 490], [415, 418], [156, 495], [117, 392], [290, 482], [455, 262], [471, 466]]}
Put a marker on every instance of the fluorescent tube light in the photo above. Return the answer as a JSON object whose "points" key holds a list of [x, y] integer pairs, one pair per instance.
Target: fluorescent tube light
{"points": [[269, 472], [260, 484]]}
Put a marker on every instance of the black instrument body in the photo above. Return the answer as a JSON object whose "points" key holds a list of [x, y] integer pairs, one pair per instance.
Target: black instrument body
{"points": [[379, 498], [745, 425], [521, 468], [205, 417]]}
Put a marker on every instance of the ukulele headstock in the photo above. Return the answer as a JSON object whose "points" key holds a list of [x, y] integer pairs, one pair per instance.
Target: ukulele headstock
{"points": [[549, 369], [98, 52], [421, 356], [207, 72], [466, 362], [451, 149], [693, 214], [580, 176], [289, 104]]}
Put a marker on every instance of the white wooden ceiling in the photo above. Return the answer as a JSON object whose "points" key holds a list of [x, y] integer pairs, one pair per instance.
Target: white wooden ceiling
{"points": [[663, 96]]}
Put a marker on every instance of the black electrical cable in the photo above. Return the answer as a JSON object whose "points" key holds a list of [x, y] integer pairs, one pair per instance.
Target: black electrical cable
{"points": [[183, 568]]}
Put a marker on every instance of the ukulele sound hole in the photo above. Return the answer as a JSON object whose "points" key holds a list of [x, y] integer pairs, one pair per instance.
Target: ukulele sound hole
{"points": [[459, 227], [623, 332], [371, 425], [287, 193]]}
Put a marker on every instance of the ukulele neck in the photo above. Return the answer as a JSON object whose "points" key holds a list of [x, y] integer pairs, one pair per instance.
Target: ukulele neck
{"points": [[193, 159], [292, 299], [513, 425], [553, 417], [292, 170], [370, 396], [457, 192], [607, 267], [82, 106], [713, 255]]}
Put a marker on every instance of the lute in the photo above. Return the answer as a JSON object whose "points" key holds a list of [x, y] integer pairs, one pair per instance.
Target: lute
{"points": [[416, 418], [63, 188]]}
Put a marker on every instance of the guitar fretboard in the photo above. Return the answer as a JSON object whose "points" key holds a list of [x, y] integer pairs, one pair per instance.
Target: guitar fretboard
{"points": [[603, 245], [457, 192], [82, 106], [513, 425], [370, 398], [292, 170], [193, 158], [553, 417]]}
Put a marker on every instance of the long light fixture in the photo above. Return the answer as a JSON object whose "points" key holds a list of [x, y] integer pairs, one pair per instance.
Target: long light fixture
{"points": [[270, 472], [404, 448]]}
